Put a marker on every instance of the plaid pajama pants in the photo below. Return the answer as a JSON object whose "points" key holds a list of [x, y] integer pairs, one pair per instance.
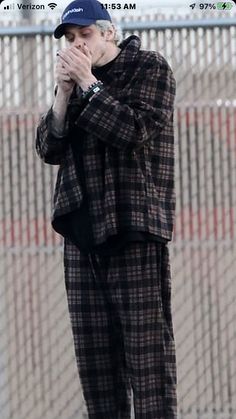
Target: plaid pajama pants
{"points": [[120, 310]]}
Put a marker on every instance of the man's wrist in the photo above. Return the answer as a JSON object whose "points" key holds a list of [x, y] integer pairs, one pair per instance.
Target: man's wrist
{"points": [[85, 84], [61, 94], [59, 109], [92, 90]]}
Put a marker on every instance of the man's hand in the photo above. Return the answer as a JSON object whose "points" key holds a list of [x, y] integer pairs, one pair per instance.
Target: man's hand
{"points": [[77, 62], [63, 80]]}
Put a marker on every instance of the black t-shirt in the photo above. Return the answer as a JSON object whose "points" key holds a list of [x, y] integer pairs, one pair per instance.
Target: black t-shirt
{"points": [[77, 225]]}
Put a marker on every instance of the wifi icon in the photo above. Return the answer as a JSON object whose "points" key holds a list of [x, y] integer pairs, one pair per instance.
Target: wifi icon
{"points": [[52, 5]]}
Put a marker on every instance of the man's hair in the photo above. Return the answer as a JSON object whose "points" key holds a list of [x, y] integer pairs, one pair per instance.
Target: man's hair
{"points": [[104, 25]]}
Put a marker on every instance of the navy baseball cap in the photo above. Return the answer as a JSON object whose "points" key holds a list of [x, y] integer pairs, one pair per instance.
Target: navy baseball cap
{"points": [[81, 13]]}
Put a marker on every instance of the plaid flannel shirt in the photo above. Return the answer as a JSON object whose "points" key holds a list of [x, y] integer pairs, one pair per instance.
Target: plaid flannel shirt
{"points": [[128, 149]]}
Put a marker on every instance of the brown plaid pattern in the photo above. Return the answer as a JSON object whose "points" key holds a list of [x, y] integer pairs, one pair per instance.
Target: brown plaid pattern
{"points": [[120, 309], [128, 149]]}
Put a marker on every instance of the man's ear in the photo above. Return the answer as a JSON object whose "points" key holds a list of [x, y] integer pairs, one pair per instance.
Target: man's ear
{"points": [[109, 34]]}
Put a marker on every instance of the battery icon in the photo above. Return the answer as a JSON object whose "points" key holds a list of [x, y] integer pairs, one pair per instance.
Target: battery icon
{"points": [[224, 5]]}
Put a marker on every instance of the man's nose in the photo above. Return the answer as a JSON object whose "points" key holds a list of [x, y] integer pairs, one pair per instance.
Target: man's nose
{"points": [[77, 42]]}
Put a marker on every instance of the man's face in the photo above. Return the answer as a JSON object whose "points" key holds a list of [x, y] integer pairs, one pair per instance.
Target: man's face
{"points": [[91, 35]]}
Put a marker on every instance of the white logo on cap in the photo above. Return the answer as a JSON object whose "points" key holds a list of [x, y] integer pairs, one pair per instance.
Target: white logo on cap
{"points": [[72, 11]]}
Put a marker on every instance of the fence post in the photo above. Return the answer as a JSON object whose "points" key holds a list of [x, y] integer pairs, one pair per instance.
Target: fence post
{"points": [[27, 61], [26, 13]]}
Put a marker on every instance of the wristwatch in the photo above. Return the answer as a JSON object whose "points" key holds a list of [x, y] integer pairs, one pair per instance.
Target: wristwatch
{"points": [[92, 89]]}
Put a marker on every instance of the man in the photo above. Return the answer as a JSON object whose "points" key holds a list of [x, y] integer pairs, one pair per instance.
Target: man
{"points": [[110, 129]]}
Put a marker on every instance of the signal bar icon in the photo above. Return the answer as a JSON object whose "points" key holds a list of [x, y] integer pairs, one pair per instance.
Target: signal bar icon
{"points": [[9, 7], [52, 5]]}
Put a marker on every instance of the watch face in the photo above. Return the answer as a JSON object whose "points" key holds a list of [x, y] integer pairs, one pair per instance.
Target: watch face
{"points": [[96, 89]]}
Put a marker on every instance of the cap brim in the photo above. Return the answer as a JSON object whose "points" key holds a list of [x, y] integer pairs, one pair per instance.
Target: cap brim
{"points": [[60, 30]]}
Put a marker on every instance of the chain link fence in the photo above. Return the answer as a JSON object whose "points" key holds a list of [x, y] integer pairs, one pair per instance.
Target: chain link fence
{"points": [[38, 374]]}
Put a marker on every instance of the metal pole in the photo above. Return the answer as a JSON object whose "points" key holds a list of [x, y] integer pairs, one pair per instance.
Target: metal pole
{"points": [[27, 56], [26, 13], [32, 30], [4, 387]]}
